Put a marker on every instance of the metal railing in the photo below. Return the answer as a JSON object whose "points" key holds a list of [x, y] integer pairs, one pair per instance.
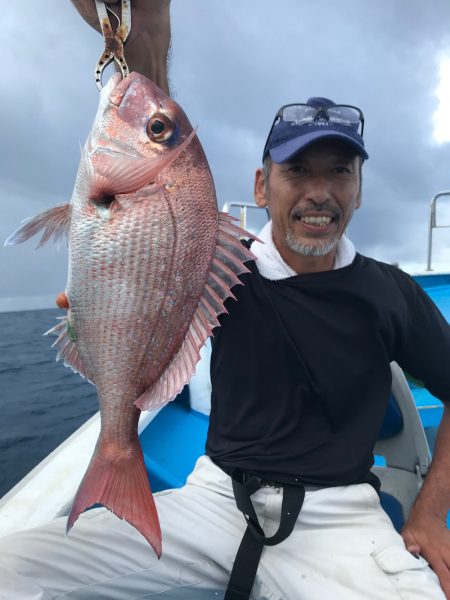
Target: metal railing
{"points": [[433, 225], [243, 212]]}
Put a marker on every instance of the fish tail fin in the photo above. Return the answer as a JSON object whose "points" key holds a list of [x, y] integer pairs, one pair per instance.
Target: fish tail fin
{"points": [[118, 480]]}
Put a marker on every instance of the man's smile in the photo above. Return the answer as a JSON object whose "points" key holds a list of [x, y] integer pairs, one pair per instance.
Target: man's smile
{"points": [[314, 220], [318, 221]]}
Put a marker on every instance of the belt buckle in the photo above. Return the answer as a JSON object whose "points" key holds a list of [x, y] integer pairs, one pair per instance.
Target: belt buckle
{"points": [[270, 484]]}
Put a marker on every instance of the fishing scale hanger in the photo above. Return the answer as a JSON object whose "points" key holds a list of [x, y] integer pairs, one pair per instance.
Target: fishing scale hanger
{"points": [[114, 40]]}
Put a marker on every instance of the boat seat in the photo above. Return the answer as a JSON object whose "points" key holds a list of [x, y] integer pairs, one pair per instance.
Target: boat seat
{"points": [[172, 442], [403, 449]]}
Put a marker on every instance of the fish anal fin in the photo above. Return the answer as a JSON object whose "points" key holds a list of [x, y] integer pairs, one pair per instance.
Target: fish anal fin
{"points": [[66, 347], [54, 223], [227, 263], [118, 480]]}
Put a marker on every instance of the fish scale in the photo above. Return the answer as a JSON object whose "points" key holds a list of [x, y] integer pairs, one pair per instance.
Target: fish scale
{"points": [[151, 263]]}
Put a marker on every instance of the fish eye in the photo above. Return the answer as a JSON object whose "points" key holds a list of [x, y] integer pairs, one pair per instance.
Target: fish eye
{"points": [[160, 128]]}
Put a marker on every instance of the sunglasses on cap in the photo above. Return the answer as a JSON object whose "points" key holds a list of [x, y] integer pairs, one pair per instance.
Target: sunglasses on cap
{"points": [[343, 115]]}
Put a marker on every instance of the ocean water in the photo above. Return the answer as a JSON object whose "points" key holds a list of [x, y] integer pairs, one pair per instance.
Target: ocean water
{"points": [[41, 401]]}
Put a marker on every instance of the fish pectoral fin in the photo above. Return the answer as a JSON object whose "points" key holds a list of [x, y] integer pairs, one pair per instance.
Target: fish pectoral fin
{"points": [[54, 222], [66, 347], [123, 174], [118, 479], [227, 264]]}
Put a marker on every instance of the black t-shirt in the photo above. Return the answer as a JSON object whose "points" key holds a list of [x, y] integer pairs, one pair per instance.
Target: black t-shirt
{"points": [[300, 369]]}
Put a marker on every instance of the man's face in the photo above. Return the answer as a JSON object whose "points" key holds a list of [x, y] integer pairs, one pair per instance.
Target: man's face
{"points": [[311, 198]]}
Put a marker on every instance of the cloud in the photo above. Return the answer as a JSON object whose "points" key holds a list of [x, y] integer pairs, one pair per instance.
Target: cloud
{"points": [[233, 65]]}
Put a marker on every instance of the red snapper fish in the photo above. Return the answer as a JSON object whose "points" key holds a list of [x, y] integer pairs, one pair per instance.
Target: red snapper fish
{"points": [[151, 262]]}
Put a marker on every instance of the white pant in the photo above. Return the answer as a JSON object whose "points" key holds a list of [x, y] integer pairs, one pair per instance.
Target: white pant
{"points": [[343, 547]]}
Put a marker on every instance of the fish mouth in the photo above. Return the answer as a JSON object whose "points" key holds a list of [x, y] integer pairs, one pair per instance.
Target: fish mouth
{"points": [[116, 87], [119, 87]]}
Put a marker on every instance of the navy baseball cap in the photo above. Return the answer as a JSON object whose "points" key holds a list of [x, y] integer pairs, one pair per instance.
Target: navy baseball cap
{"points": [[296, 126]]}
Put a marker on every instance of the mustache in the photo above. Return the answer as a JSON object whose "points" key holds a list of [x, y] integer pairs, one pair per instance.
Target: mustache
{"points": [[300, 211]]}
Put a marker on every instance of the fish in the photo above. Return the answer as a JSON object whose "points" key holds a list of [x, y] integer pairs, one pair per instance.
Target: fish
{"points": [[151, 263]]}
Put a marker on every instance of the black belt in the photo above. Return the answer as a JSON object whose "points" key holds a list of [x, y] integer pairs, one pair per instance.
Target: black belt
{"points": [[249, 553]]}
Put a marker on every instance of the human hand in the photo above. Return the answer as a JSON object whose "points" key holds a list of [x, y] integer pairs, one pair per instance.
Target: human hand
{"points": [[87, 10], [429, 536], [148, 43], [61, 300]]}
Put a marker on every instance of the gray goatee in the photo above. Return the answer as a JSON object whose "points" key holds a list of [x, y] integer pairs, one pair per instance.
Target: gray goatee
{"points": [[317, 249]]}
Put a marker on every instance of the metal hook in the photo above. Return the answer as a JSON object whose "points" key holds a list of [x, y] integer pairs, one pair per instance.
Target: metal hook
{"points": [[114, 40]]}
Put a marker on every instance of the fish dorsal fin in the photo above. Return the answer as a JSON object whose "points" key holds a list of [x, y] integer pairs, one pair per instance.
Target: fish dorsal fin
{"points": [[66, 347], [123, 174], [227, 264], [54, 222]]}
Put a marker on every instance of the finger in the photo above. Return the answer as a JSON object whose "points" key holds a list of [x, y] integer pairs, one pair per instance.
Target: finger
{"points": [[86, 8], [414, 549], [444, 577], [62, 301], [409, 538], [441, 570]]}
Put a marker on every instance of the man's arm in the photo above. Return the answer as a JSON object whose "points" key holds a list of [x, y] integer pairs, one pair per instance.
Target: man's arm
{"points": [[426, 529], [147, 47]]}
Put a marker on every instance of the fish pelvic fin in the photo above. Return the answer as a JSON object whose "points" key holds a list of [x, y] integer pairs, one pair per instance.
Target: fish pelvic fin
{"points": [[117, 479], [123, 174], [66, 346], [227, 263], [54, 223]]}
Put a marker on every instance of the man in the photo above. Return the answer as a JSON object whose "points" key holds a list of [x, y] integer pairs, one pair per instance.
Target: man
{"points": [[300, 375]]}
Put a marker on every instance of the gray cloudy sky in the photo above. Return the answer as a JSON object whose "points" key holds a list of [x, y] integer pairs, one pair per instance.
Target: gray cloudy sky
{"points": [[233, 64]]}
